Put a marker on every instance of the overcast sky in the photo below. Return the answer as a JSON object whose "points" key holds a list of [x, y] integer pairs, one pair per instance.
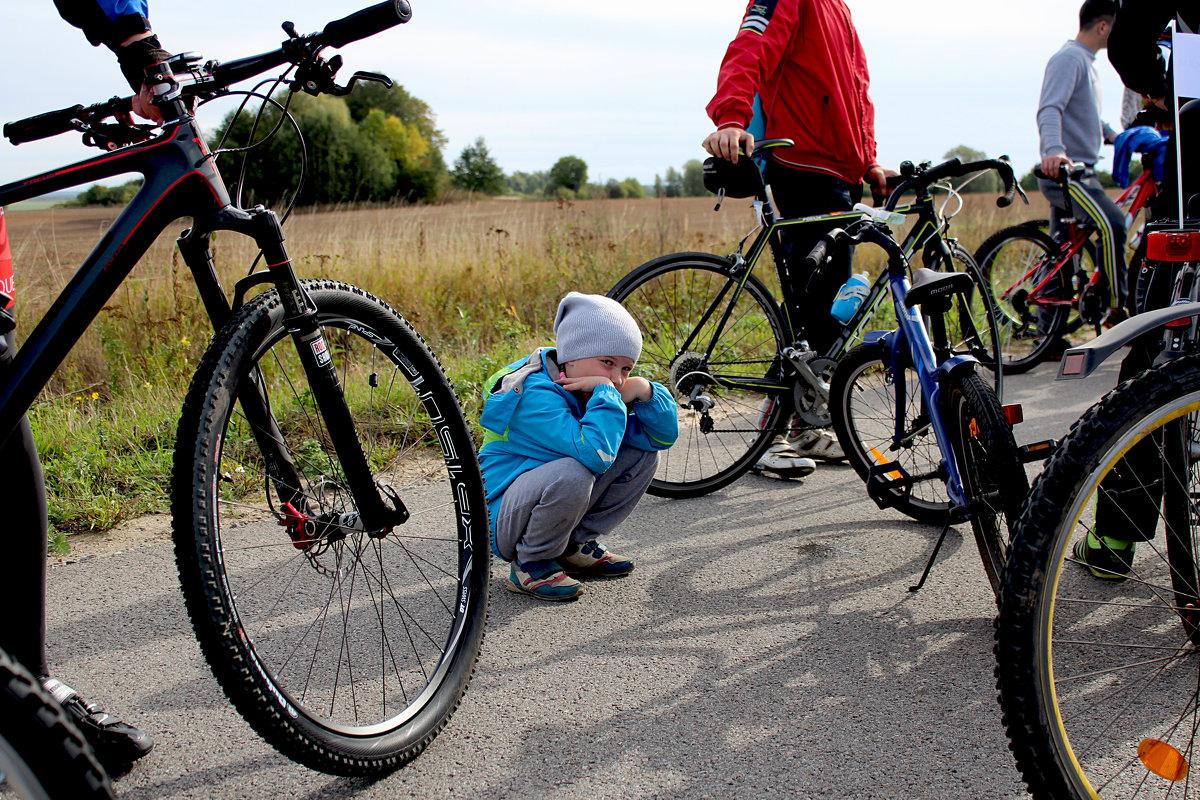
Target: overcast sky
{"points": [[620, 83]]}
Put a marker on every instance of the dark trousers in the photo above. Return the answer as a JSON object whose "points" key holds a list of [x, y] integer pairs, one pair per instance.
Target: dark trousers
{"points": [[23, 589], [803, 194]]}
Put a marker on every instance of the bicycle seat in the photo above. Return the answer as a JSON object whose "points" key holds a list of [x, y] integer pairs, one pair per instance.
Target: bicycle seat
{"points": [[929, 285]]}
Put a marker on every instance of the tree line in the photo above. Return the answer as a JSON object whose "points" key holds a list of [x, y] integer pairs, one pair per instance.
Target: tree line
{"points": [[382, 144]]}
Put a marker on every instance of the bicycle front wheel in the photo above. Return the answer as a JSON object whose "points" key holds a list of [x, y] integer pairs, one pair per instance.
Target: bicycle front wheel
{"points": [[863, 395], [1029, 292], [347, 650], [42, 754], [1098, 678], [719, 357], [993, 479]]}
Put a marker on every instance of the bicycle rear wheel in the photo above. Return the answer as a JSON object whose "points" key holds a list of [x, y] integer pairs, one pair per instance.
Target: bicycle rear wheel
{"points": [[993, 479], [42, 755], [863, 396], [679, 301], [346, 650], [971, 322], [1098, 679], [1018, 264]]}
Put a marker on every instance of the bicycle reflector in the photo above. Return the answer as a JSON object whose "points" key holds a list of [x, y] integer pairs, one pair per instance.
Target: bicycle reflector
{"points": [[1173, 246], [1014, 413], [1162, 759]]}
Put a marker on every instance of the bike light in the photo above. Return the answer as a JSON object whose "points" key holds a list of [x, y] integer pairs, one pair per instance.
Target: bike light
{"points": [[1014, 413], [1173, 246], [1163, 759]]}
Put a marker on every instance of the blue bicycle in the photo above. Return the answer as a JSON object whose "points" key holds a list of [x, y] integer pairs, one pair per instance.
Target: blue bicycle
{"points": [[916, 421]]}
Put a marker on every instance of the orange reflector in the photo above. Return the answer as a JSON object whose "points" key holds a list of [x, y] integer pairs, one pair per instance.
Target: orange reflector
{"points": [[881, 459], [1173, 246], [1162, 759], [973, 427], [1073, 363], [1014, 414]]}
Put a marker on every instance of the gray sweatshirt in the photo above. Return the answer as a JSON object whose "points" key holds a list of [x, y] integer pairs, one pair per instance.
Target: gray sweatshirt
{"points": [[1068, 114]]}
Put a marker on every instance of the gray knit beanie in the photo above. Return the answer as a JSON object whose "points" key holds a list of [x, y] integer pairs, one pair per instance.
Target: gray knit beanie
{"points": [[591, 325]]}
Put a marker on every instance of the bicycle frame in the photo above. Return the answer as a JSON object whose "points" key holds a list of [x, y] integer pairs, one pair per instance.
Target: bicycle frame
{"points": [[911, 339], [181, 179], [927, 231]]}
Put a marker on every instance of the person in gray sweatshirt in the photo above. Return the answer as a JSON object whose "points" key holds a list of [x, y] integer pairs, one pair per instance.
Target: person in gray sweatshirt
{"points": [[1072, 132]]}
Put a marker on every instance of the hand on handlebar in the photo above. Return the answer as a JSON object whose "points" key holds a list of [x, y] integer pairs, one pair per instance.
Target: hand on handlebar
{"points": [[877, 176], [725, 142], [144, 107], [1052, 163]]}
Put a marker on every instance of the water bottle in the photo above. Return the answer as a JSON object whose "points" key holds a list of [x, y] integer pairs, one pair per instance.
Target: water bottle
{"points": [[850, 297]]}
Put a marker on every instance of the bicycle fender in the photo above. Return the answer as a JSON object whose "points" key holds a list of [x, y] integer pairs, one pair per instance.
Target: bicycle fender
{"points": [[1082, 361], [956, 365]]}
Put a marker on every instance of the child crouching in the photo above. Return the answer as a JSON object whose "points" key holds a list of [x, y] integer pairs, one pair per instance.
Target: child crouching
{"points": [[570, 446]]}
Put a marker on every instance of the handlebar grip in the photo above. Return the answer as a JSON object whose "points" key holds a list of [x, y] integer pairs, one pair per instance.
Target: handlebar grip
{"points": [[366, 22], [42, 126], [815, 259], [1010, 187], [946, 169]]}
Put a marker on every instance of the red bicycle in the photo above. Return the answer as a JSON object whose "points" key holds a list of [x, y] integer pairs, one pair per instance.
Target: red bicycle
{"points": [[1046, 287]]}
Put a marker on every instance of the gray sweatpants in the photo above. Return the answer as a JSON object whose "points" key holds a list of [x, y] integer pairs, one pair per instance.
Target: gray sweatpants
{"points": [[564, 501]]}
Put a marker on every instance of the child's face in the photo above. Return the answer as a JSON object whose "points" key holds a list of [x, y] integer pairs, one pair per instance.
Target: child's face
{"points": [[615, 368]]}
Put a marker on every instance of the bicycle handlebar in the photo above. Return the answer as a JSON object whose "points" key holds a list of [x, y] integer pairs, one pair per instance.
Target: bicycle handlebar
{"points": [[954, 168], [367, 22], [52, 123], [214, 77]]}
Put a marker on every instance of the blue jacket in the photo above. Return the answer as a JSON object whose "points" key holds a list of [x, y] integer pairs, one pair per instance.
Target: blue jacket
{"points": [[106, 22], [529, 420]]}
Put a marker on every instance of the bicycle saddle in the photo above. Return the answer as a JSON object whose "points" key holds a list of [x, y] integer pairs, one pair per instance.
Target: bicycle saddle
{"points": [[929, 285]]}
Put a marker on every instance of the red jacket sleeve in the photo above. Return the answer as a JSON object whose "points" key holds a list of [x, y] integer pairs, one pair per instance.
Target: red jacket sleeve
{"points": [[755, 53]]}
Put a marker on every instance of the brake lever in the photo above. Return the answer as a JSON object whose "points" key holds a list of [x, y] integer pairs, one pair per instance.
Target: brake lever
{"points": [[374, 77], [111, 137]]}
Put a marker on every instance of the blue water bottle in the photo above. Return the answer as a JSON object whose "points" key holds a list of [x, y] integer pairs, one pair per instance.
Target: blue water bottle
{"points": [[850, 297]]}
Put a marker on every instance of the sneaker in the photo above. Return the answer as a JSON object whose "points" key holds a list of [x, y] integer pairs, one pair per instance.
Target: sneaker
{"points": [[782, 461], [816, 443], [593, 558], [1106, 558], [544, 580], [116, 743]]}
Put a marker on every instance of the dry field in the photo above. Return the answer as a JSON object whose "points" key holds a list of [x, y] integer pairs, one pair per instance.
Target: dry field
{"points": [[480, 281]]}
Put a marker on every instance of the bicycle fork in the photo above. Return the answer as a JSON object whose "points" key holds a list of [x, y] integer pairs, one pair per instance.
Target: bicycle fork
{"points": [[375, 515]]}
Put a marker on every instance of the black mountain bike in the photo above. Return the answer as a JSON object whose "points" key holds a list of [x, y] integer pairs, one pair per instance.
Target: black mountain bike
{"points": [[330, 524], [718, 339]]}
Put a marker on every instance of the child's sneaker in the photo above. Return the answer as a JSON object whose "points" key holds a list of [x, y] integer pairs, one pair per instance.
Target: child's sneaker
{"points": [[544, 580], [1108, 559], [593, 558]]}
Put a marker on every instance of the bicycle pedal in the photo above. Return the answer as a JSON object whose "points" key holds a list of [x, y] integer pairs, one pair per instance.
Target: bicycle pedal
{"points": [[1037, 451], [885, 480]]}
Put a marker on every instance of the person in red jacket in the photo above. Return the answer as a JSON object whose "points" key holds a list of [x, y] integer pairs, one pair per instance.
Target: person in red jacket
{"points": [[804, 61]]}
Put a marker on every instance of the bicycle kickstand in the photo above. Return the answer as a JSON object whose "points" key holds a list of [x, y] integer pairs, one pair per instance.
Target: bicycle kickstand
{"points": [[933, 557]]}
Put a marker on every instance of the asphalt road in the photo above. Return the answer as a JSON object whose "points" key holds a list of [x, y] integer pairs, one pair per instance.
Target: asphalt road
{"points": [[766, 646]]}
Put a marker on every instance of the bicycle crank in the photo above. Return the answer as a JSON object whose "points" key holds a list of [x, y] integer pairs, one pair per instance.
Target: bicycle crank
{"points": [[811, 392]]}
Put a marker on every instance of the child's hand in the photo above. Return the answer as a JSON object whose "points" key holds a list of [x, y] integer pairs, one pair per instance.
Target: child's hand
{"points": [[636, 390], [587, 383]]}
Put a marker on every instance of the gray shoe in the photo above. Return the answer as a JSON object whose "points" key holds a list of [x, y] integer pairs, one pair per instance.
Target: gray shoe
{"points": [[782, 461], [816, 443]]}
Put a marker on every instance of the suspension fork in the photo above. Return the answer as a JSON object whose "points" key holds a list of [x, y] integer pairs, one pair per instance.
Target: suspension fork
{"points": [[300, 320], [281, 470]]}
